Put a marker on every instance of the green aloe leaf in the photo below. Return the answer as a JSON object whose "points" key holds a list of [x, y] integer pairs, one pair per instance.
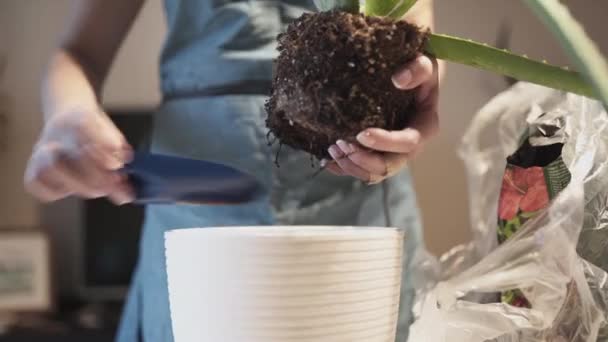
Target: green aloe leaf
{"points": [[482, 56], [344, 5], [395, 9], [575, 41]]}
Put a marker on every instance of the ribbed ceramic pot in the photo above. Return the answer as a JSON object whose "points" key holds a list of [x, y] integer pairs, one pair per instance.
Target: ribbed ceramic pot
{"points": [[267, 284]]}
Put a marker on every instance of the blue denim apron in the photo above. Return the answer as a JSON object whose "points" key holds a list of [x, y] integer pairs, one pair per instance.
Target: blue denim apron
{"points": [[215, 72]]}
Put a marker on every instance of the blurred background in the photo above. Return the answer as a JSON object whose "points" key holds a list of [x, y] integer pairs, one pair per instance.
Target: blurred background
{"points": [[64, 268]]}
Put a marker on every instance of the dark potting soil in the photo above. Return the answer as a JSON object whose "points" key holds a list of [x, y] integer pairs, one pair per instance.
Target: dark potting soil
{"points": [[333, 79], [529, 156]]}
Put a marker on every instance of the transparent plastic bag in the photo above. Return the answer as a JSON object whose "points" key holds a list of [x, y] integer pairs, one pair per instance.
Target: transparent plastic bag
{"points": [[562, 277]]}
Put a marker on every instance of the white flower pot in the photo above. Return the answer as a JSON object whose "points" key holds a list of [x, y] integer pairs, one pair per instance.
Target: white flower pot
{"points": [[266, 284]]}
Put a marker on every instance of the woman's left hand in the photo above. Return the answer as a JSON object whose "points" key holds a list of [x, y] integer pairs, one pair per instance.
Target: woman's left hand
{"points": [[379, 153]]}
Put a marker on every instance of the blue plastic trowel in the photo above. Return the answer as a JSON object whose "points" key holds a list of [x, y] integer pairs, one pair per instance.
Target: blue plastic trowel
{"points": [[162, 179]]}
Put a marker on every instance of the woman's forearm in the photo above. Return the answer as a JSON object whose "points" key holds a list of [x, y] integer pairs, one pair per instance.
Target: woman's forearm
{"points": [[76, 72], [67, 87]]}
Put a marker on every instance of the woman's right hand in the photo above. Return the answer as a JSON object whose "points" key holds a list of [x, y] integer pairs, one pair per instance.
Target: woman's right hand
{"points": [[79, 153]]}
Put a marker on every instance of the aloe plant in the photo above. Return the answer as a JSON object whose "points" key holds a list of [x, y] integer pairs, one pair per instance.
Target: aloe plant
{"points": [[577, 44], [393, 9], [591, 81]]}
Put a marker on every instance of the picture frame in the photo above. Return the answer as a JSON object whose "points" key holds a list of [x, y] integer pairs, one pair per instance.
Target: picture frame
{"points": [[25, 271]]}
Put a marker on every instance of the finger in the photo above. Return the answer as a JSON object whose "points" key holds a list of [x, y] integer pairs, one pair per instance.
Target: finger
{"points": [[44, 193], [371, 162], [403, 141], [385, 165], [345, 148], [72, 175], [44, 188], [91, 173], [416, 73], [347, 165], [105, 142], [334, 169], [122, 193], [395, 163], [41, 178], [106, 159]]}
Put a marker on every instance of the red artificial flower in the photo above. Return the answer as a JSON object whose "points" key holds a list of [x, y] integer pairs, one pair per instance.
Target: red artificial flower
{"points": [[523, 189], [521, 302]]}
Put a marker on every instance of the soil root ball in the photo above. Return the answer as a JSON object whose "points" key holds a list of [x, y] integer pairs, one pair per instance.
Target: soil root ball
{"points": [[333, 79]]}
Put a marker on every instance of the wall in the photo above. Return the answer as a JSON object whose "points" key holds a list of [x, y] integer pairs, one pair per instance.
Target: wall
{"points": [[28, 27]]}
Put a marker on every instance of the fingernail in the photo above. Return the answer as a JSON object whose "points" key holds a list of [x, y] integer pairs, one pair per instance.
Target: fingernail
{"points": [[402, 79], [345, 147], [335, 152], [366, 139], [323, 162]]}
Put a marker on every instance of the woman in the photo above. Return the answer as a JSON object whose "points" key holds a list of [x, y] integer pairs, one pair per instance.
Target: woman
{"points": [[216, 69]]}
